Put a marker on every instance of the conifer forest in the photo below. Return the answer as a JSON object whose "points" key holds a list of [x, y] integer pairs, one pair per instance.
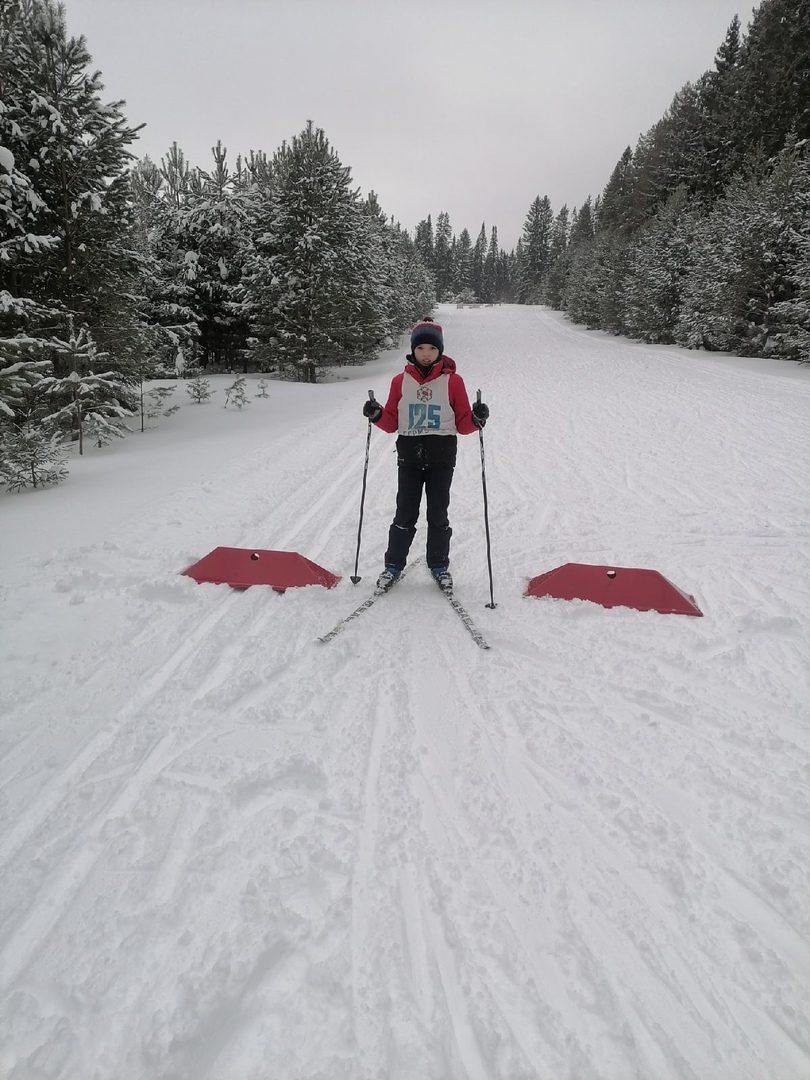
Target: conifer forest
{"points": [[116, 270]]}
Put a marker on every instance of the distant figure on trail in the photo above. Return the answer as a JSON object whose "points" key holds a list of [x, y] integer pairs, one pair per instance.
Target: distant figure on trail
{"points": [[428, 406]]}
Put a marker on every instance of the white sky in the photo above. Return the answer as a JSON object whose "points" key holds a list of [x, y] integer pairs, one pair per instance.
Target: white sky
{"points": [[469, 106]]}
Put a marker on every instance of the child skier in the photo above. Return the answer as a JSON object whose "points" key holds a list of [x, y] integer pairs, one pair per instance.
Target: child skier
{"points": [[428, 406]]}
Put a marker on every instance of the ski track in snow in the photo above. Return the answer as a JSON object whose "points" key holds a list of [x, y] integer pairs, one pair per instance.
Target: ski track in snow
{"points": [[231, 852]]}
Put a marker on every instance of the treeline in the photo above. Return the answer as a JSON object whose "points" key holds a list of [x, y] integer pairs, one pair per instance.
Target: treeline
{"points": [[701, 236], [274, 265], [463, 271], [111, 271]]}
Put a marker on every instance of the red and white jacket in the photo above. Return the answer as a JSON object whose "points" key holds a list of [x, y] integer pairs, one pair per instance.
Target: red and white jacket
{"points": [[434, 404]]}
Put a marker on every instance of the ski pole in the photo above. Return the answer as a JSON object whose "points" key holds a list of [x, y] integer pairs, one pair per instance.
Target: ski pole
{"points": [[354, 578], [491, 603]]}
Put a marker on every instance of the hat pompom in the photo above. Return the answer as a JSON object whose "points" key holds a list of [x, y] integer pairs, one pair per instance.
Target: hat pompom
{"points": [[427, 333]]}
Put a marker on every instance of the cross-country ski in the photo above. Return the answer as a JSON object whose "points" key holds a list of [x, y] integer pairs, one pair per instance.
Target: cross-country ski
{"points": [[358, 611]]}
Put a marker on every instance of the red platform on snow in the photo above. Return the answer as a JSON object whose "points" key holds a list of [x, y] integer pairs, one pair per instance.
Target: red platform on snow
{"points": [[242, 567], [614, 586]]}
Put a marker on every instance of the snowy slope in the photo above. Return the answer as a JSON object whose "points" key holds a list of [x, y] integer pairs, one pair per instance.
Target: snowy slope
{"points": [[230, 852]]}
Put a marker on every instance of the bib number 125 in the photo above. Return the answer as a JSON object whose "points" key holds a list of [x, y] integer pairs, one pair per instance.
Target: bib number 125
{"points": [[424, 416]]}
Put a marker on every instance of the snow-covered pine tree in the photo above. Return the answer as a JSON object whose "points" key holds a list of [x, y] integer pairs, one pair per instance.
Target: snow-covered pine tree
{"points": [[73, 148], [462, 271], [89, 404], [536, 251], [416, 290], [479, 254], [198, 388], [719, 90], [29, 452], [366, 305], [235, 393], [442, 258], [307, 275], [791, 315], [155, 403], [218, 217], [584, 294], [163, 332], [661, 262], [771, 78], [161, 200], [83, 396], [505, 277], [745, 259], [582, 223], [558, 260], [21, 385], [614, 212], [490, 274], [424, 243], [31, 456], [384, 302], [24, 314]]}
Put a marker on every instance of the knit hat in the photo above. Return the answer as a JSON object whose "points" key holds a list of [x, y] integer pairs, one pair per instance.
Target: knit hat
{"points": [[427, 333]]}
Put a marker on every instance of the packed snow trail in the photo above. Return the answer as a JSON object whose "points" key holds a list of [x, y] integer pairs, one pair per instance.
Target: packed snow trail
{"points": [[230, 852]]}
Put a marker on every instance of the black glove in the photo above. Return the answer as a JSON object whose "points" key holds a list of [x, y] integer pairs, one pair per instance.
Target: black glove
{"points": [[372, 410], [480, 414]]}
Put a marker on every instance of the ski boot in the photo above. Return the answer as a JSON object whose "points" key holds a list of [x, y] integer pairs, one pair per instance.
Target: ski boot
{"points": [[442, 578], [387, 578]]}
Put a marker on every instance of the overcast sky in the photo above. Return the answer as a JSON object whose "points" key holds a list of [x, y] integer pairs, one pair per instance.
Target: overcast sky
{"points": [[469, 106]]}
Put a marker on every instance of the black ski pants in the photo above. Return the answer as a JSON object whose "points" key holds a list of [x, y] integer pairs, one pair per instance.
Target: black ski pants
{"points": [[436, 481]]}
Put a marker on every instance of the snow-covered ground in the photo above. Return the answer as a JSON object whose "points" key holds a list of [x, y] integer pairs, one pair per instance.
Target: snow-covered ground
{"points": [[228, 851]]}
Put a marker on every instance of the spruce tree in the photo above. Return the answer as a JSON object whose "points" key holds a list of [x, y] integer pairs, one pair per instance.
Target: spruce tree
{"points": [[84, 396], [558, 260], [724, 150], [791, 313], [462, 272], [442, 257], [489, 276], [771, 99], [662, 259], [423, 240], [615, 206], [89, 405], [199, 388], [31, 456], [535, 257], [505, 278], [418, 290], [479, 254], [384, 305]]}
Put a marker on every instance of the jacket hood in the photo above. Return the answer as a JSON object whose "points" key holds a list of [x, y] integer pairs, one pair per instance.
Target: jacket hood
{"points": [[443, 366]]}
